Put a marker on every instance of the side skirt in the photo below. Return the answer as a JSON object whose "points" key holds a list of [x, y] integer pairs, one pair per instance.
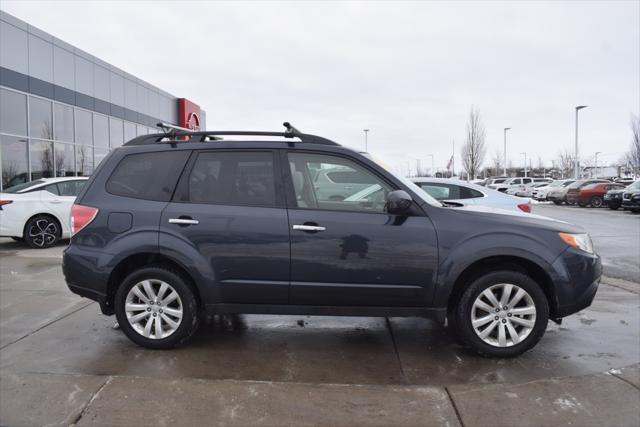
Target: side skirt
{"points": [[437, 314]]}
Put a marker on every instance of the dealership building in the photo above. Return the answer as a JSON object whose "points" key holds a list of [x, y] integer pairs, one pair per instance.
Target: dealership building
{"points": [[62, 109]]}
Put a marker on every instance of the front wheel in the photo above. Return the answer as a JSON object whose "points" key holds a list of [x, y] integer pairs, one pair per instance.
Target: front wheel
{"points": [[502, 314], [156, 308], [614, 206]]}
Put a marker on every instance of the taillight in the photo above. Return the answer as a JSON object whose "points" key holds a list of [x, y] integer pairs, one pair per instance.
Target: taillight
{"points": [[525, 207], [5, 202], [81, 216]]}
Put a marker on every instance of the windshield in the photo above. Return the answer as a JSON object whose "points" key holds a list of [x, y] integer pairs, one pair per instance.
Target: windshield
{"points": [[419, 191], [23, 186], [567, 183], [635, 186]]}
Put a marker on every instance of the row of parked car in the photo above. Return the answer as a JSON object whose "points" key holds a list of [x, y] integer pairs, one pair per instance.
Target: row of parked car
{"points": [[624, 193]]}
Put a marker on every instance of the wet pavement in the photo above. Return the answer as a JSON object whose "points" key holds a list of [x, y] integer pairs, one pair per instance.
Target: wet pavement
{"points": [[365, 370]]}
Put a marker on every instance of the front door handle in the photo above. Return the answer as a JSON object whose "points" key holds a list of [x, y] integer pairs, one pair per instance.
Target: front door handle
{"points": [[183, 221], [303, 227]]}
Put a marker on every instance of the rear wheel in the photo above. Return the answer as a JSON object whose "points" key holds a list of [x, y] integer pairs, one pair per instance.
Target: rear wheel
{"points": [[42, 231], [582, 204], [156, 308], [596, 201], [502, 314], [557, 202]]}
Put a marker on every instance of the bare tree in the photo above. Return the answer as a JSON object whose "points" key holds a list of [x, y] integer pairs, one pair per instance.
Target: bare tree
{"points": [[565, 163], [497, 162], [473, 149], [633, 156]]}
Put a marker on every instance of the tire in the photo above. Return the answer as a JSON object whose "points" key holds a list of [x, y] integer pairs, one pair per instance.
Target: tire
{"points": [[582, 204], [570, 203], [42, 231], [596, 202], [185, 303], [557, 202], [465, 309], [614, 206]]}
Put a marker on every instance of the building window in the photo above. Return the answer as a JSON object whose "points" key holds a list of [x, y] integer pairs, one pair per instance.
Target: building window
{"points": [[84, 160], [129, 131], [41, 156], [63, 122], [13, 152], [100, 131], [84, 127], [65, 159], [40, 118], [99, 154], [141, 130], [13, 112], [116, 133]]}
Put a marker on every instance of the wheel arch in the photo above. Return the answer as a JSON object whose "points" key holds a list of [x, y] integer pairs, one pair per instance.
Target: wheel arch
{"points": [[139, 260], [503, 262], [47, 214]]}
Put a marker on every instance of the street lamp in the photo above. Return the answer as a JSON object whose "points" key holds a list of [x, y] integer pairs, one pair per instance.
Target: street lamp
{"points": [[525, 164], [504, 153], [597, 152], [575, 161], [432, 168], [366, 131]]}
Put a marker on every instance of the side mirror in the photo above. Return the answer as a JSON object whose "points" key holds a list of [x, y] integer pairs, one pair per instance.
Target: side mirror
{"points": [[398, 202]]}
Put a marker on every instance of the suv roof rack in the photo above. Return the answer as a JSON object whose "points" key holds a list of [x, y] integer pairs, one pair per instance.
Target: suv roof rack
{"points": [[175, 134]]}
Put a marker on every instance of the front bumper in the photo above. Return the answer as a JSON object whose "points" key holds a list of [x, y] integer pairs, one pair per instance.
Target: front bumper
{"points": [[631, 203], [576, 284]]}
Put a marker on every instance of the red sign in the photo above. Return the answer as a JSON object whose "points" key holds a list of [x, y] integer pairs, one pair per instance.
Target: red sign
{"points": [[189, 114]]}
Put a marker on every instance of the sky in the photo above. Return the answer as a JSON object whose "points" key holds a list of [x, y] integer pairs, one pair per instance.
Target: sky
{"points": [[408, 71]]}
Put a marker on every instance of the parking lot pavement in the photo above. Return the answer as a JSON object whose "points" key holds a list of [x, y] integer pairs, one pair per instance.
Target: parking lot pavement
{"points": [[615, 235], [61, 360]]}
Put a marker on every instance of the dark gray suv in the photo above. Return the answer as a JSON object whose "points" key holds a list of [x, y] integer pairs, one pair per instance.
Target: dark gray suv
{"points": [[174, 225]]}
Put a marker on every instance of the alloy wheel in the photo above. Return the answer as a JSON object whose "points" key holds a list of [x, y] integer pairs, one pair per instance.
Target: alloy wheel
{"points": [[153, 309], [43, 232], [503, 315]]}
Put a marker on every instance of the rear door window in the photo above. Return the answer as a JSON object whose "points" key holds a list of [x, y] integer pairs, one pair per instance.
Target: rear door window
{"points": [[52, 188], [149, 176], [71, 188], [232, 178]]}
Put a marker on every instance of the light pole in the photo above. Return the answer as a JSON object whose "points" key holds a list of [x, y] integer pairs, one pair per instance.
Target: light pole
{"points": [[504, 153], [366, 148], [525, 164], [432, 169], [576, 170], [597, 152]]}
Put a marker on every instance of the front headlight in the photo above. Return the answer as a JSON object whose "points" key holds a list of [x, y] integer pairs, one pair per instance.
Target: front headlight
{"points": [[579, 241]]}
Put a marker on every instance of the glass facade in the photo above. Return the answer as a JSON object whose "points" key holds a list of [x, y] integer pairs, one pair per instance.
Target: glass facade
{"points": [[43, 138], [62, 109]]}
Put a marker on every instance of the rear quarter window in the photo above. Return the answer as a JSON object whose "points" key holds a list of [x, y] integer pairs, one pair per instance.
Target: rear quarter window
{"points": [[148, 176]]}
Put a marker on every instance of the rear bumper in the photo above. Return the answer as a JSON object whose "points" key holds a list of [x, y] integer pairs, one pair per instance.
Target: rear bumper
{"points": [[578, 277], [84, 277]]}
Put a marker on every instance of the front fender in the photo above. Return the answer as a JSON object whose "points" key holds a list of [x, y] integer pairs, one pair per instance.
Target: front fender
{"points": [[488, 245]]}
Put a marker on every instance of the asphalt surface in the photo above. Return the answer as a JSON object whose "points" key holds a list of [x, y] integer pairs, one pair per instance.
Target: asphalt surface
{"points": [[62, 362], [615, 235]]}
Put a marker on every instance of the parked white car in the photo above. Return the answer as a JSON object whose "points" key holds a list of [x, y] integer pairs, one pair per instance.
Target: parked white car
{"points": [[540, 193], [520, 183], [457, 191], [37, 212]]}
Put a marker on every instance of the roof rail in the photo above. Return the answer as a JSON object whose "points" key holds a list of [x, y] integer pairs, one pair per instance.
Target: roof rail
{"points": [[176, 135]]}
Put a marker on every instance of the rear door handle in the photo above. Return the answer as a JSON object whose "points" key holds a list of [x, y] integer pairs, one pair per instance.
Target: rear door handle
{"points": [[183, 221], [303, 227], [56, 201]]}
